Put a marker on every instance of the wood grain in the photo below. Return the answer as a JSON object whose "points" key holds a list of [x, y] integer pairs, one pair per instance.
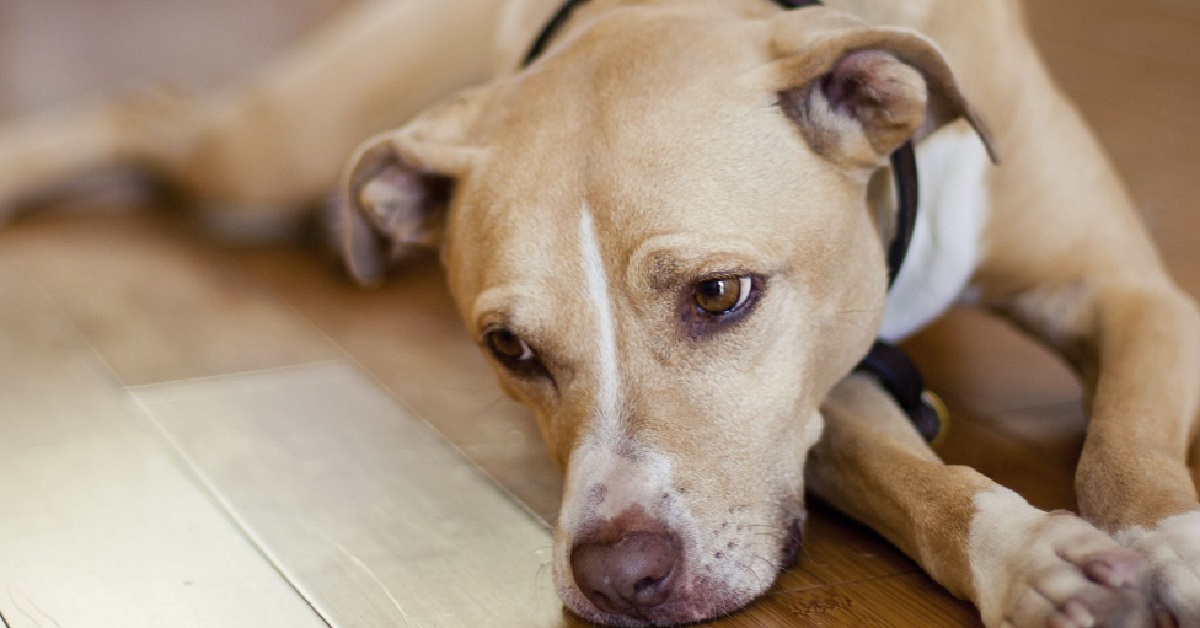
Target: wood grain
{"points": [[99, 525], [375, 518], [158, 303]]}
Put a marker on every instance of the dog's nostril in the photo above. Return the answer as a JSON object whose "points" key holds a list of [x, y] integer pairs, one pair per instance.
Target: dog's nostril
{"points": [[628, 576]]}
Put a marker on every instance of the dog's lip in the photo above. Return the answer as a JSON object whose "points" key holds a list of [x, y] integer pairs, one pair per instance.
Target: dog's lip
{"points": [[793, 543], [671, 613]]}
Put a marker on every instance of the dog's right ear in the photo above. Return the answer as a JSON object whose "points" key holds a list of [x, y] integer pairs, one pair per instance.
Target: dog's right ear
{"points": [[858, 92], [395, 193]]}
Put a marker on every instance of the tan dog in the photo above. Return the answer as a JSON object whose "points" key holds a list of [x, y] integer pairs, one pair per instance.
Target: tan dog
{"points": [[667, 233]]}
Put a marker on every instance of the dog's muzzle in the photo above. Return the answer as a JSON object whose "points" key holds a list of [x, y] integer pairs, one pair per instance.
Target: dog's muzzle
{"points": [[643, 574]]}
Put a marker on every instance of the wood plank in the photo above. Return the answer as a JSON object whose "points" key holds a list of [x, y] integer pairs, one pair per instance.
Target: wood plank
{"points": [[408, 336], [372, 515], [901, 601], [99, 524], [157, 302]]}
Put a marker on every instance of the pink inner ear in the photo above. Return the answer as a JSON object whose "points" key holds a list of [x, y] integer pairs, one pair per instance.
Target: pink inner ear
{"points": [[874, 81], [392, 197], [403, 204], [886, 96]]}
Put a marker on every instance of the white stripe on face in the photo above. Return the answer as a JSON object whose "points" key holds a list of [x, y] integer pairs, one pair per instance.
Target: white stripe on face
{"points": [[609, 377], [596, 460]]}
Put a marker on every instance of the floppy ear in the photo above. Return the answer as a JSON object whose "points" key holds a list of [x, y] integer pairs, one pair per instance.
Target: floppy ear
{"points": [[395, 192], [857, 93]]}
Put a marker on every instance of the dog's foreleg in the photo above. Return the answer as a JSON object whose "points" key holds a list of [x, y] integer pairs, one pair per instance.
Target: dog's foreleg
{"points": [[1135, 338], [1020, 565]]}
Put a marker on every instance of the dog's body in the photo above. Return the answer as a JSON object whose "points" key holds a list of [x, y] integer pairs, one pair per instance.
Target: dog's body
{"points": [[668, 233]]}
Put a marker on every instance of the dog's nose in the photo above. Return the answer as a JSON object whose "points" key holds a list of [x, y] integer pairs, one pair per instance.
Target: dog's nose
{"points": [[630, 575]]}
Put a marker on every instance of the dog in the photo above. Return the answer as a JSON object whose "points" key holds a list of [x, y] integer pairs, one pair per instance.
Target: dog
{"points": [[667, 224]]}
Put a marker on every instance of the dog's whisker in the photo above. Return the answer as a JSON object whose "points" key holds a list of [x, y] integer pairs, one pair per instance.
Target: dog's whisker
{"points": [[779, 539], [740, 565], [772, 564], [542, 572]]}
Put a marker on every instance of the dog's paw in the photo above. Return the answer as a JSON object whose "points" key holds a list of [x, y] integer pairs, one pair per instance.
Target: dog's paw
{"points": [[1172, 554], [1073, 575], [1034, 568]]}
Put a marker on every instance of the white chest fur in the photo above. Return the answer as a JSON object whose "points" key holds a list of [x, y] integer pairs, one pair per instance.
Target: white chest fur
{"points": [[947, 241]]}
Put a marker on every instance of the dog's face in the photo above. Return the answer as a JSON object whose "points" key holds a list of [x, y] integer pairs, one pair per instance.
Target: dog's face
{"points": [[659, 235]]}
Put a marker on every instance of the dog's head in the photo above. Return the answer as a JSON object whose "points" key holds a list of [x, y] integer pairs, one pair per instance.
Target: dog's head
{"points": [[661, 236]]}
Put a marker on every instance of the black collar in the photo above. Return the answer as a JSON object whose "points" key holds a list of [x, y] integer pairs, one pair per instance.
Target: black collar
{"points": [[550, 29], [894, 370], [564, 12]]}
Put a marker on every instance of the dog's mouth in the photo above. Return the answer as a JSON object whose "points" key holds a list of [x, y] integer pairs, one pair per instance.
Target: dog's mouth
{"points": [[793, 542]]}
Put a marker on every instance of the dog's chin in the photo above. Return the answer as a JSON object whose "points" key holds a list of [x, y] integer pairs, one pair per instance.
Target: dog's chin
{"points": [[705, 598]]}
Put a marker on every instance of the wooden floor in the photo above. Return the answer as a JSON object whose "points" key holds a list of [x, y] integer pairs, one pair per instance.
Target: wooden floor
{"points": [[195, 433]]}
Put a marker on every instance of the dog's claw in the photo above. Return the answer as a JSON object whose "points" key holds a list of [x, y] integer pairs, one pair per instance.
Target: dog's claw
{"points": [[1072, 575], [1080, 602], [1078, 613], [1115, 571]]}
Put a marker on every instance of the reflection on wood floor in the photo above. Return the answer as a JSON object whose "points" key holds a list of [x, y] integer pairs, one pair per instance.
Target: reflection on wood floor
{"points": [[198, 434]]}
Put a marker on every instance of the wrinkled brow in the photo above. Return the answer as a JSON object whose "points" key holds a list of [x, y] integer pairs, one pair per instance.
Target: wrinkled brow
{"points": [[665, 262]]}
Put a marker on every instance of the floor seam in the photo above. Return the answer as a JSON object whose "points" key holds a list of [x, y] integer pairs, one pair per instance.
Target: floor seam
{"points": [[204, 484]]}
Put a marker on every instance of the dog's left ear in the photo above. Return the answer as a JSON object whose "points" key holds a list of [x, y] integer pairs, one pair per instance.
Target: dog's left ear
{"points": [[395, 193], [856, 92]]}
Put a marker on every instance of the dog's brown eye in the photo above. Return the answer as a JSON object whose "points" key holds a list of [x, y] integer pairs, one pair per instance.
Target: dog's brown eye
{"points": [[723, 295], [508, 347], [720, 303], [514, 354]]}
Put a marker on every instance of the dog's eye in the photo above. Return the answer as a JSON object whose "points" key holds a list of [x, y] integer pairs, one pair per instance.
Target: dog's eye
{"points": [[720, 302], [507, 346], [514, 353], [722, 295]]}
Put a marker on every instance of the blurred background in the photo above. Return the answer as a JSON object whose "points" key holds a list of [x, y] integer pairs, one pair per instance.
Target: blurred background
{"points": [[55, 52]]}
